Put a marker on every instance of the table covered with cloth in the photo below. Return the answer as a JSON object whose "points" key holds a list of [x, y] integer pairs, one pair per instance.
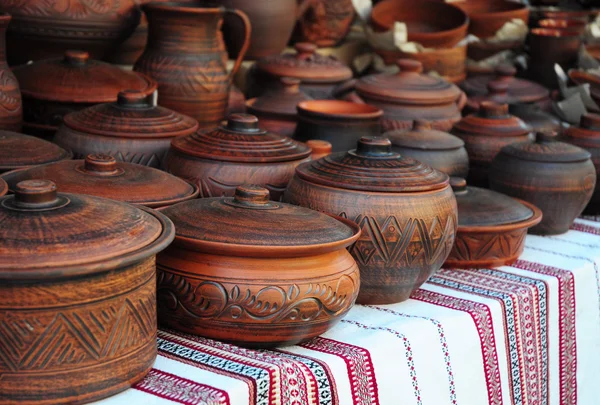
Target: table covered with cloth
{"points": [[522, 334]]}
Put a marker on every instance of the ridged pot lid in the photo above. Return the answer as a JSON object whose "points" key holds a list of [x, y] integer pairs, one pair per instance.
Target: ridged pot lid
{"points": [[18, 150], [281, 100], [372, 166], [482, 207], [102, 176], [587, 134], [76, 78], [424, 137], [250, 224], [306, 64], [408, 86], [241, 139], [546, 149], [491, 119], [46, 234], [134, 115]]}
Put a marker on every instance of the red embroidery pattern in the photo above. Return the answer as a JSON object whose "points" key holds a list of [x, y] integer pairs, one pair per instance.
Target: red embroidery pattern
{"points": [[585, 228]]}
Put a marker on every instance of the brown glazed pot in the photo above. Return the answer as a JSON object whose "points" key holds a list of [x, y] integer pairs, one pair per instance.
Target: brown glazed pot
{"points": [[186, 55], [11, 105], [18, 151], [437, 149], [406, 210], [485, 133], [557, 177], [487, 17], [78, 283], [325, 22], [491, 227], [340, 123], [53, 88], [256, 272], [238, 152], [102, 176], [134, 129]]}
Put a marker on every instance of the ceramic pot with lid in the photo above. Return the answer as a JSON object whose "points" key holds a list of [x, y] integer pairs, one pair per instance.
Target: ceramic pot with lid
{"points": [[103, 176], [236, 153], [18, 151], [78, 273], [53, 88], [406, 210], [437, 149], [11, 105], [134, 129], [485, 133], [256, 272], [556, 177], [491, 227]]}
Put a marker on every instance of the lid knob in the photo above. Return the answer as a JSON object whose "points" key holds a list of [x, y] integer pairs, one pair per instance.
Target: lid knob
{"points": [[489, 109], [374, 146], [458, 184], [497, 87], [542, 137], [133, 98], [422, 125], [35, 193], [243, 123], [305, 49], [76, 58], [590, 121], [319, 147], [100, 163], [251, 194], [290, 85], [505, 71], [409, 65]]}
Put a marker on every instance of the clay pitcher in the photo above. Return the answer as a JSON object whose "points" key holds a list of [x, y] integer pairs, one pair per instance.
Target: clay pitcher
{"points": [[11, 108], [186, 55]]}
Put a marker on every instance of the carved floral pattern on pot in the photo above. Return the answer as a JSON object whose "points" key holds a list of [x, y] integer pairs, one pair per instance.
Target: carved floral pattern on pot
{"points": [[488, 246]]}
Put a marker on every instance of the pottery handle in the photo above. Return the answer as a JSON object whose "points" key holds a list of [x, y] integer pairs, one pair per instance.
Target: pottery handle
{"points": [[461, 101], [247, 32]]}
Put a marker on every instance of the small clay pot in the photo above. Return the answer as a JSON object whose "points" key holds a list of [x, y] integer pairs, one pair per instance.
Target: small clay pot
{"points": [[319, 148], [487, 17]]}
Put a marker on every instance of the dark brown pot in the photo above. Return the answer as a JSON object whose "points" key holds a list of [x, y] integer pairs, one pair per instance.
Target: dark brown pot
{"points": [[18, 151], [134, 129], [406, 210], [11, 105], [325, 22], [340, 123], [554, 176], [78, 274], [190, 69], [238, 152]]}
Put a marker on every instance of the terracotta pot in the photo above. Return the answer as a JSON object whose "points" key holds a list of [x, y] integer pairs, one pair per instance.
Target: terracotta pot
{"points": [[407, 212], [487, 17], [276, 108], [537, 119], [131, 130], [556, 177], [79, 272], [255, 272], [325, 22], [485, 133], [340, 123], [18, 151], [563, 24], [319, 148], [11, 105], [437, 149], [433, 25], [185, 54], [491, 227], [238, 152], [55, 87], [102, 176]]}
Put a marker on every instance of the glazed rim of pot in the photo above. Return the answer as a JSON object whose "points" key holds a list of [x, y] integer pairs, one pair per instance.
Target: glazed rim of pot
{"points": [[345, 110]]}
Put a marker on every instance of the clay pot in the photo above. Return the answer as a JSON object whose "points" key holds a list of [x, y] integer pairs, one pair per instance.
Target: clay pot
{"points": [[55, 87], [102, 176], [18, 151], [325, 22], [566, 25], [406, 210], [255, 272], [554, 176], [131, 130], [437, 149], [487, 17], [491, 227], [340, 123], [433, 25], [11, 105], [238, 152], [186, 55], [485, 133], [276, 108], [319, 148], [537, 119], [78, 272]]}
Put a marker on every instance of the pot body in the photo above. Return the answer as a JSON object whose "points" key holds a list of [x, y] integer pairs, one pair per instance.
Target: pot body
{"points": [[256, 302], [593, 208], [99, 335], [453, 162], [11, 105], [548, 47], [405, 237], [326, 22]]}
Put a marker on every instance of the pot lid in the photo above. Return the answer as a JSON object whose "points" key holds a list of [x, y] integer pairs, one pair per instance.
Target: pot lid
{"points": [[491, 119], [240, 139], [250, 224], [482, 207], [424, 137], [18, 150], [281, 100], [76, 78], [101, 175], [408, 86], [306, 64], [46, 234], [546, 149], [587, 134], [372, 166], [134, 115]]}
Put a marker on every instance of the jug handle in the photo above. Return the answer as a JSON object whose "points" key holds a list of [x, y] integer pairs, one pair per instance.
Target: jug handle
{"points": [[247, 32]]}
